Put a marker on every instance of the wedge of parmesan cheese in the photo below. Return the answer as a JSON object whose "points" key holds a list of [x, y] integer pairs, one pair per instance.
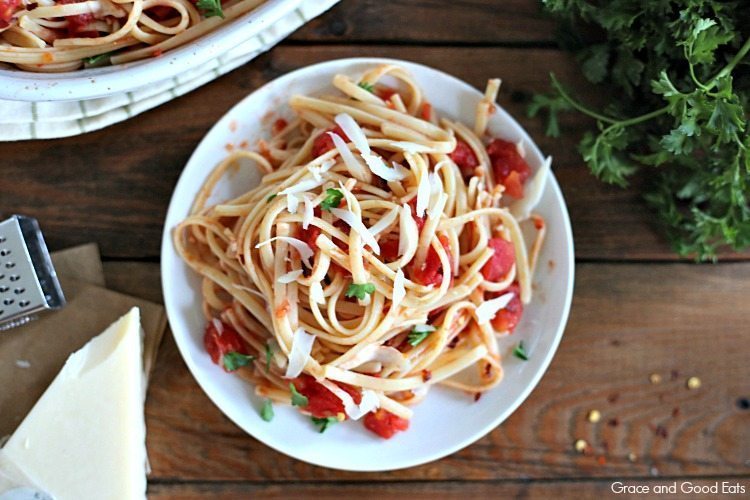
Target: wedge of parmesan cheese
{"points": [[86, 436]]}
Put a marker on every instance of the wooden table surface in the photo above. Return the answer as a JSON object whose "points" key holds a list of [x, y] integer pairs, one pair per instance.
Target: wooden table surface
{"points": [[637, 309]]}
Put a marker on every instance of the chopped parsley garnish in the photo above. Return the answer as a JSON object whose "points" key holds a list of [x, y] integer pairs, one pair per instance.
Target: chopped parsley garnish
{"points": [[266, 413], [367, 86], [97, 59], [210, 8], [419, 333], [359, 290], [520, 352], [234, 360], [269, 356], [297, 398], [324, 423], [271, 197], [332, 199]]}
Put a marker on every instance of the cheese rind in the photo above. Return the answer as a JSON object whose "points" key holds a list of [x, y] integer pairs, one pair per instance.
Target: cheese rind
{"points": [[85, 437]]}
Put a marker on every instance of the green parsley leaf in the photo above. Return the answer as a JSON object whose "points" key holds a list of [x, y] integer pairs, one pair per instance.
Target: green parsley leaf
{"points": [[210, 8], [97, 60], [266, 413], [419, 333], [367, 86], [520, 352], [359, 290], [332, 199], [271, 197], [297, 398], [269, 356], [234, 360], [324, 423]]}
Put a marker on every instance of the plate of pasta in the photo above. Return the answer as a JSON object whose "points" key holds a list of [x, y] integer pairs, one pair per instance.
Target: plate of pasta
{"points": [[367, 264]]}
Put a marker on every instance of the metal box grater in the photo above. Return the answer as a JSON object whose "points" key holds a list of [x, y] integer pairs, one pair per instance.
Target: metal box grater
{"points": [[28, 283]]}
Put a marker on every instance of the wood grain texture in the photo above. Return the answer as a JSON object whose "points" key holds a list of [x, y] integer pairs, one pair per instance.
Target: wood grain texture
{"points": [[580, 490], [431, 21], [113, 186], [628, 321]]}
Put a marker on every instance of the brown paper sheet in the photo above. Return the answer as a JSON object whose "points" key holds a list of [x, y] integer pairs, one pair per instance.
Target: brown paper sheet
{"points": [[32, 355]]}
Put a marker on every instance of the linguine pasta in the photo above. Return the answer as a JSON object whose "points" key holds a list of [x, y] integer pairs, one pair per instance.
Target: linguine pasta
{"points": [[381, 253], [65, 35]]}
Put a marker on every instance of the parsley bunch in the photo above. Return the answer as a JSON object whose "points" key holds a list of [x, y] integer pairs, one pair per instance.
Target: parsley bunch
{"points": [[677, 75]]}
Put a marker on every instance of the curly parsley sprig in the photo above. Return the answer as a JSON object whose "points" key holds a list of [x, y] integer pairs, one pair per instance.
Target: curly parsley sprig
{"points": [[681, 66]]}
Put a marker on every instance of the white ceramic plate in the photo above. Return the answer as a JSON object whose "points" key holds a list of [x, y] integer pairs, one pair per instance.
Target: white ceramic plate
{"points": [[92, 83], [446, 420]]}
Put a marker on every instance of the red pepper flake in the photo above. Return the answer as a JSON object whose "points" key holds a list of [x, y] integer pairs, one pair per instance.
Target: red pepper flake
{"points": [[661, 431], [426, 375], [675, 412], [614, 422], [477, 395], [612, 398], [48, 58], [229, 147], [426, 111], [454, 341], [244, 145], [158, 53], [283, 309], [601, 460], [487, 369]]}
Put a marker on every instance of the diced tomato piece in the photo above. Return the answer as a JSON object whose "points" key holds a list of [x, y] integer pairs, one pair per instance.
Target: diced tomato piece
{"points": [[385, 92], [464, 157], [502, 260], [384, 423], [218, 343], [514, 185], [431, 272], [7, 9], [507, 319], [309, 235], [279, 125], [77, 24], [389, 249], [506, 160], [161, 12], [323, 143], [419, 220], [321, 402]]}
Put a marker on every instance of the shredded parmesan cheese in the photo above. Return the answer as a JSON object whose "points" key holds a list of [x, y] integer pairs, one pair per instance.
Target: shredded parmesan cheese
{"points": [[487, 310], [353, 132], [290, 276], [302, 343], [399, 290], [357, 226], [303, 248], [423, 194], [309, 212]]}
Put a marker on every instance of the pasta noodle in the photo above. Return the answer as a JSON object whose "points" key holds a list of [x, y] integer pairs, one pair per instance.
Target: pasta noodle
{"points": [[65, 35], [377, 257]]}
